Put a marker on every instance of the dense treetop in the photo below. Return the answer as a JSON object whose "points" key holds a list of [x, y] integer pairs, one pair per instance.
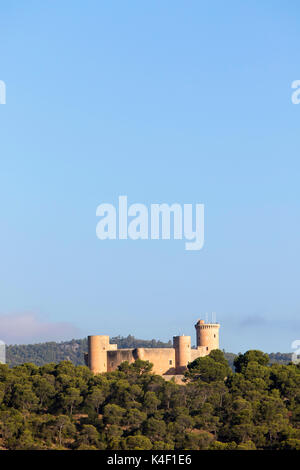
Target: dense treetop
{"points": [[63, 406]]}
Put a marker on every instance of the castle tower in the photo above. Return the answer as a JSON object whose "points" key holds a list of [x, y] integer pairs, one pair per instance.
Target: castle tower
{"points": [[182, 346], [97, 353], [207, 335]]}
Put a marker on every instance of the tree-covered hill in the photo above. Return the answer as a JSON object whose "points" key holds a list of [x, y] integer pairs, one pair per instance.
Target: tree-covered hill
{"points": [[43, 353], [66, 407]]}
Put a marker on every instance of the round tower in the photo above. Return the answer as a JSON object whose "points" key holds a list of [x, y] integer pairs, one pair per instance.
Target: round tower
{"points": [[182, 346], [207, 335], [97, 353]]}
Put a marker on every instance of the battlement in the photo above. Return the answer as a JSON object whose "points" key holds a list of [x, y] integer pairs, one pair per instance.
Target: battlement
{"points": [[207, 335], [202, 324]]}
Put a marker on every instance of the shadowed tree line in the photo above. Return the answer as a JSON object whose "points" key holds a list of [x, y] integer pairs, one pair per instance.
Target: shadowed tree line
{"points": [[63, 406]]}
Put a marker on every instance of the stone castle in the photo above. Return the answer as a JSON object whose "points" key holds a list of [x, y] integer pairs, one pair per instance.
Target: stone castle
{"points": [[105, 357]]}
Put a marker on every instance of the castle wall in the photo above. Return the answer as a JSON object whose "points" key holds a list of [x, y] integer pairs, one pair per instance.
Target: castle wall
{"points": [[199, 352], [105, 357], [163, 359], [116, 357]]}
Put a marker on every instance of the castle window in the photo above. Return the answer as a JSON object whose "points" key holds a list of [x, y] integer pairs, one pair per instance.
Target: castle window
{"points": [[170, 362], [214, 336], [206, 348]]}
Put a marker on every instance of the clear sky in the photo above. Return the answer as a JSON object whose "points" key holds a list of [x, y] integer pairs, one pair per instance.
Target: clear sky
{"points": [[186, 102]]}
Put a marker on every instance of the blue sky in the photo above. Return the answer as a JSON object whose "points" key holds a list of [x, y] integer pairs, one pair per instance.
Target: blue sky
{"points": [[162, 102]]}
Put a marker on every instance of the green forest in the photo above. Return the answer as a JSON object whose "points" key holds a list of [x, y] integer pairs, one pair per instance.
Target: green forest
{"points": [[64, 406]]}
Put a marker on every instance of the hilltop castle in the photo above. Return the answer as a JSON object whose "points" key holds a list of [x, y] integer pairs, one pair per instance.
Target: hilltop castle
{"points": [[105, 357]]}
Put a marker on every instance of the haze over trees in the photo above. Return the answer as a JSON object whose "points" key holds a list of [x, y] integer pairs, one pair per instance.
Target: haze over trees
{"points": [[63, 406]]}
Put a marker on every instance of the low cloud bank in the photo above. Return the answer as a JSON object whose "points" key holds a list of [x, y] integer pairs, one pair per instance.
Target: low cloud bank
{"points": [[27, 328]]}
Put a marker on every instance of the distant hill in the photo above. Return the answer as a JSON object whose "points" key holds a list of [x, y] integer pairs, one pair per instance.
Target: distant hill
{"points": [[275, 358], [43, 353]]}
